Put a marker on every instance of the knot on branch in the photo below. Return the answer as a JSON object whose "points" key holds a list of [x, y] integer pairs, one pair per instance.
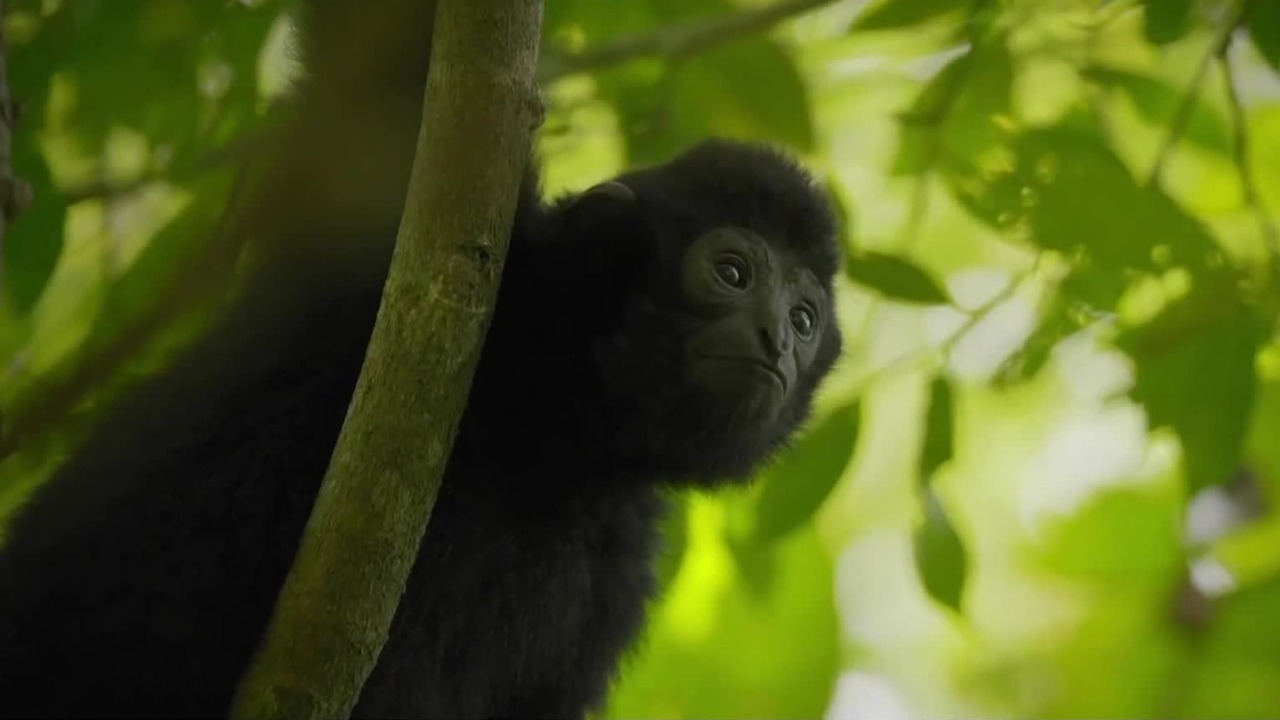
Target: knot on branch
{"points": [[16, 195]]}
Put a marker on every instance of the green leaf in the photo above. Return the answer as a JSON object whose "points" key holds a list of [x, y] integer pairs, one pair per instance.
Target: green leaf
{"points": [[998, 199], [746, 90], [1196, 372], [940, 556], [1238, 672], [1120, 535], [1088, 200], [920, 120], [1066, 191], [894, 277], [1167, 21], [756, 563], [30, 250], [1249, 547], [1262, 450], [956, 113], [802, 478], [901, 14], [1263, 22], [939, 438], [190, 243], [984, 97]]}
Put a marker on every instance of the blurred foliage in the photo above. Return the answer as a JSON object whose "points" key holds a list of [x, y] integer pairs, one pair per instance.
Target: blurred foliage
{"points": [[1043, 481]]}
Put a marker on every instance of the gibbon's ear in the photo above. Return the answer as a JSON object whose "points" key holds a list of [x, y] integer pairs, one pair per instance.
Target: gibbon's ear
{"points": [[606, 204], [612, 189]]}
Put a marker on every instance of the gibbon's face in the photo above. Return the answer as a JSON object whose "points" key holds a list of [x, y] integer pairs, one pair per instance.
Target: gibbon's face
{"points": [[731, 326], [758, 317]]}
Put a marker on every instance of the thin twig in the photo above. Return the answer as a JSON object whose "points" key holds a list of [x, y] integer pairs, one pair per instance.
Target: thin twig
{"points": [[948, 344], [677, 40], [1182, 116]]}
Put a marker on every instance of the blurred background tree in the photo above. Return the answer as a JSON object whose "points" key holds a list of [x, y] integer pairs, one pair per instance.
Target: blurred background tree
{"points": [[1041, 482]]}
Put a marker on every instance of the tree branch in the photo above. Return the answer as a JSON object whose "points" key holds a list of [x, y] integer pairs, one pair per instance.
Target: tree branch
{"points": [[944, 348], [338, 602], [677, 40]]}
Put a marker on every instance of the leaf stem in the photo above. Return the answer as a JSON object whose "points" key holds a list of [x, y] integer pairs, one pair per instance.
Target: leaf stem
{"points": [[977, 315]]}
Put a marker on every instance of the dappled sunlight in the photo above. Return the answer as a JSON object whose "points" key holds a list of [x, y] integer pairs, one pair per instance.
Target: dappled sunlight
{"points": [[1090, 451]]}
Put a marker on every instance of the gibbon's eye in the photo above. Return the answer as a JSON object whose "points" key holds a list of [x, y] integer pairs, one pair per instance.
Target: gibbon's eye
{"points": [[732, 271], [803, 321]]}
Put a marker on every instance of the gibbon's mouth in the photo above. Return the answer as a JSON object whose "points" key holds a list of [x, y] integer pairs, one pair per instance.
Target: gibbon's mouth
{"points": [[757, 364]]}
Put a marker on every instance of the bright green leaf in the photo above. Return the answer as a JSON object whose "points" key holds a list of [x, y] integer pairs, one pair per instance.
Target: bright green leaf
{"points": [[1196, 373], [940, 556], [1262, 451], [1263, 22], [939, 437], [31, 247], [1121, 535], [1167, 20], [796, 486], [1087, 200], [917, 148], [971, 122], [957, 112], [1238, 669], [900, 14], [746, 90], [1067, 191], [1250, 546], [896, 278], [756, 563], [185, 247]]}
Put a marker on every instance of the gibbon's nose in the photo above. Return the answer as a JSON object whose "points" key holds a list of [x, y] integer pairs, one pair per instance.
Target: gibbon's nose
{"points": [[775, 332]]}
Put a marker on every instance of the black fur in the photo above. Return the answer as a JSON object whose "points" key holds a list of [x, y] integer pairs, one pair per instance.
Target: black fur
{"points": [[138, 580]]}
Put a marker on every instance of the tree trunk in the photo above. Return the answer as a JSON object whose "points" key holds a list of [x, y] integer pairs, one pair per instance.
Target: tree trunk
{"points": [[338, 602]]}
